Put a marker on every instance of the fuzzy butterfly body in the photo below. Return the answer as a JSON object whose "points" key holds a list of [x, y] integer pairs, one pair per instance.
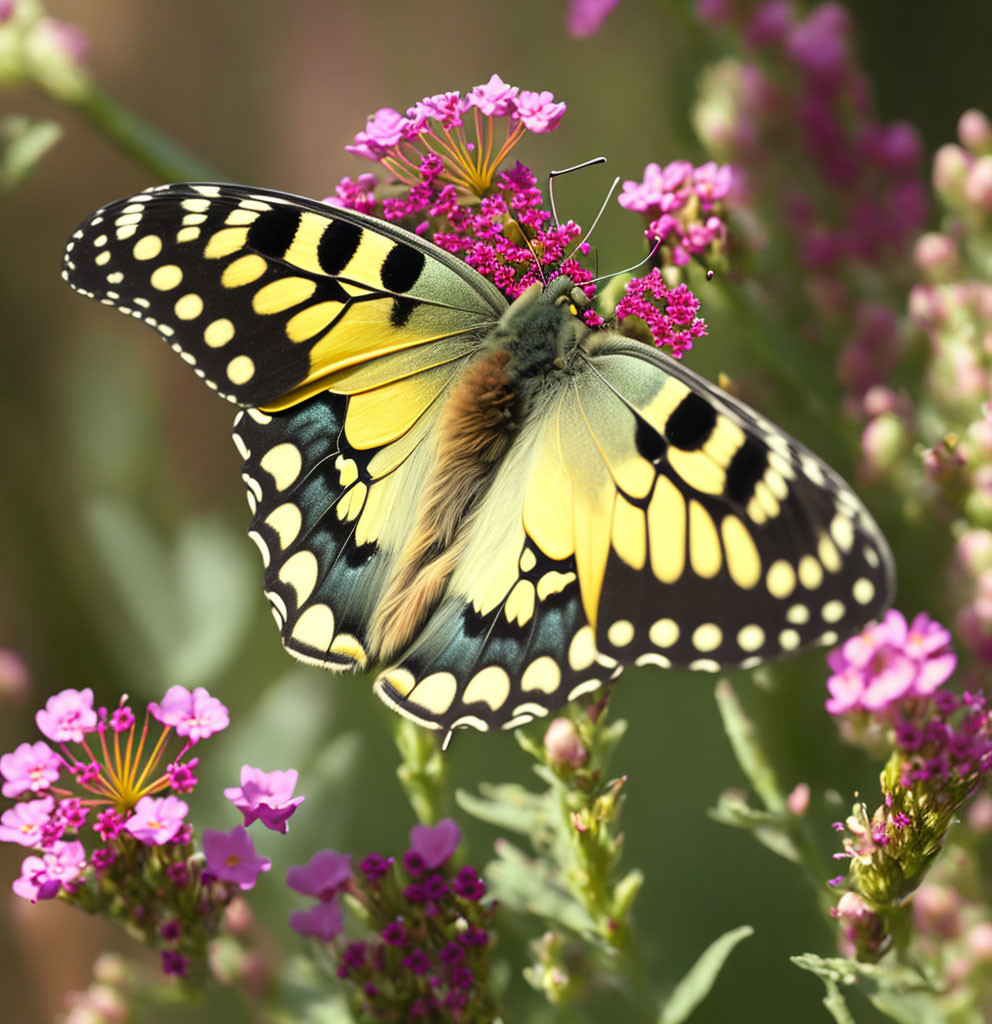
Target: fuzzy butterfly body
{"points": [[493, 506]]}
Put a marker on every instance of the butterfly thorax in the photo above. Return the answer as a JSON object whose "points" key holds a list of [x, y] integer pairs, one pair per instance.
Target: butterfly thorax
{"points": [[540, 329]]}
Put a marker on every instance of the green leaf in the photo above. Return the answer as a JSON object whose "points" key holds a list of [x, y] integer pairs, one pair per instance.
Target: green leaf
{"points": [[900, 992], [526, 885], [507, 806], [835, 1003], [696, 985], [24, 143], [747, 748], [138, 569], [215, 574]]}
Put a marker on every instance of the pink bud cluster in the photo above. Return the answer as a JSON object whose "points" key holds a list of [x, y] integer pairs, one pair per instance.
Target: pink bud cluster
{"points": [[425, 956], [844, 194], [684, 207], [444, 180]]}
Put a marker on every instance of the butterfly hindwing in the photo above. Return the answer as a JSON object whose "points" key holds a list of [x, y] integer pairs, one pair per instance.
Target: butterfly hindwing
{"points": [[332, 504], [662, 522], [268, 296]]}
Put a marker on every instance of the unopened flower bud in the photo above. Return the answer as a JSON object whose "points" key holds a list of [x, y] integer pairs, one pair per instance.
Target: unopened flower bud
{"points": [[937, 909], [975, 132], [950, 168], [978, 184], [974, 551], [937, 256], [798, 800], [562, 743], [882, 442], [980, 814], [979, 940], [15, 679]]}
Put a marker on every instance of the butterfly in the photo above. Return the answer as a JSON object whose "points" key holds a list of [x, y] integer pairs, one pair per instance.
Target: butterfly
{"points": [[492, 505]]}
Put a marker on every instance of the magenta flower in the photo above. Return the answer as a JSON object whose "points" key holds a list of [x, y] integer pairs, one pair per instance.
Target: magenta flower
{"points": [[23, 823], [266, 796], [157, 820], [322, 876], [888, 662], [586, 17], [537, 111], [494, 99], [195, 715], [435, 845], [67, 716], [674, 323], [43, 877], [231, 856], [30, 767], [386, 128], [323, 921]]}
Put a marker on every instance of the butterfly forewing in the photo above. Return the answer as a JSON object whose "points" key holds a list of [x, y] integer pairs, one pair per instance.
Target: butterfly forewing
{"points": [[267, 295]]}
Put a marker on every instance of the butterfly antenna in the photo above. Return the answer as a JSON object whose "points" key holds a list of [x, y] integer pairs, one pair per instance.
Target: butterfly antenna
{"points": [[628, 269], [609, 194], [568, 170]]}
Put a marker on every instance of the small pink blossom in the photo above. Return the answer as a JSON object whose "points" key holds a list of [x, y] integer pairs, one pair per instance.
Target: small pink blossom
{"points": [[435, 845], [494, 99], [888, 662], [157, 820], [23, 823], [67, 716], [537, 111], [42, 877], [30, 767], [385, 129], [322, 921], [322, 876], [195, 715], [232, 858], [266, 796]]}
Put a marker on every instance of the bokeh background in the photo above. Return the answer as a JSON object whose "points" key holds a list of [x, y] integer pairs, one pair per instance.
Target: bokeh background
{"points": [[123, 564]]}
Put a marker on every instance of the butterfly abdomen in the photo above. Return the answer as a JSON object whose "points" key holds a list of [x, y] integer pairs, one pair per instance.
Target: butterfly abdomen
{"points": [[475, 432]]}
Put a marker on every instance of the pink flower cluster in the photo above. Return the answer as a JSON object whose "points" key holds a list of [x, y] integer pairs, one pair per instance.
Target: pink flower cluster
{"points": [[448, 152], [889, 662], [455, 191], [852, 192], [684, 206], [670, 313], [98, 764], [96, 806], [426, 953], [387, 129]]}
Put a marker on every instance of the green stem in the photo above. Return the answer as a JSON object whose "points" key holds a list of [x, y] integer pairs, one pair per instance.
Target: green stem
{"points": [[165, 158], [423, 772]]}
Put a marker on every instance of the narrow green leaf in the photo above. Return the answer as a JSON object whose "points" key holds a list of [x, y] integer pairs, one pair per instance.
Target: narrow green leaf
{"points": [[24, 143], [138, 569], [215, 572], [747, 748], [509, 807], [696, 985], [835, 1003]]}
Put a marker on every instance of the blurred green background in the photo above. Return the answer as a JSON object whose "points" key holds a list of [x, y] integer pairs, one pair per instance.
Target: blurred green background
{"points": [[123, 564]]}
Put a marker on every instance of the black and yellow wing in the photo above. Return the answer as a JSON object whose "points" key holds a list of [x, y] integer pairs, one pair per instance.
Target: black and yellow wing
{"points": [[656, 521], [270, 297]]}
